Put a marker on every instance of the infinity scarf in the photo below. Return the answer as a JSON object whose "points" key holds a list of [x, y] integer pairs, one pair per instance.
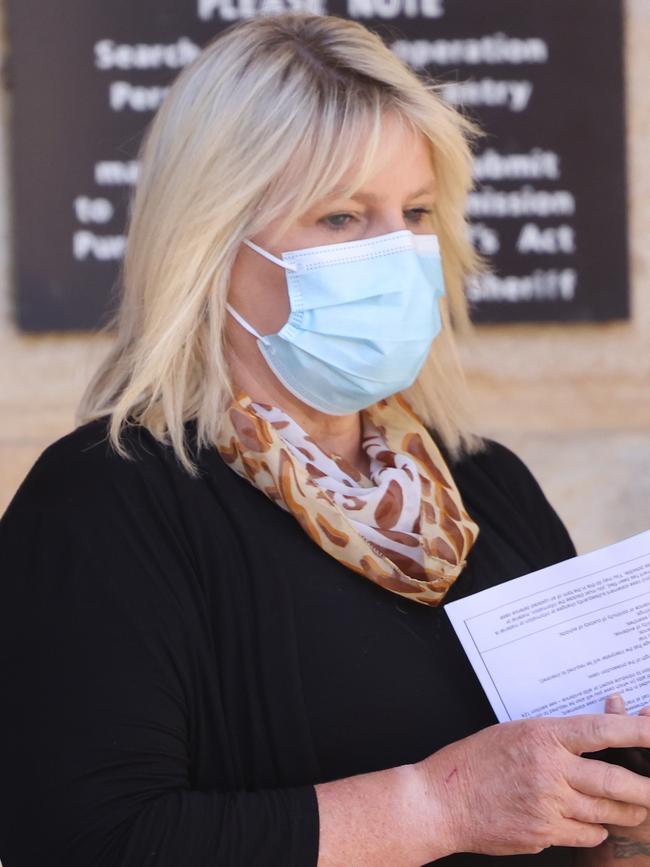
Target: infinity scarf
{"points": [[404, 527]]}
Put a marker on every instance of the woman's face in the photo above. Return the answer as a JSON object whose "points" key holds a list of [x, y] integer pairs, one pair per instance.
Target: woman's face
{"points": [[399, 194]]}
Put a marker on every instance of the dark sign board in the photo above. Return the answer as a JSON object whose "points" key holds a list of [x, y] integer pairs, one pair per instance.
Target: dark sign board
{"points": [[543, 77]]}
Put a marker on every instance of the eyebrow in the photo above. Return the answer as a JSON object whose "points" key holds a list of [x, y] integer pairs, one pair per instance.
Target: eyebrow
{"points": [[428, 188]]}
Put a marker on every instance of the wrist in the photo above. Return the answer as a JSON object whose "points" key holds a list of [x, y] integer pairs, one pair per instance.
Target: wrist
{"points": [[434, 810]]}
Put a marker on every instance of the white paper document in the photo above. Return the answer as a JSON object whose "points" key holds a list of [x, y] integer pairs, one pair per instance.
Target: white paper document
{"points": [[556, 642]]}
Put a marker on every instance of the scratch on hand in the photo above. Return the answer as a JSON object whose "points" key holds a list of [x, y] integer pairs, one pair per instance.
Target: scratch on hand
{"points": [[450, 776]]}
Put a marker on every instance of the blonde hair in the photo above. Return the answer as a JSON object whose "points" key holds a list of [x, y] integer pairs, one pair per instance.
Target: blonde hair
{"points": [[262, 125]]}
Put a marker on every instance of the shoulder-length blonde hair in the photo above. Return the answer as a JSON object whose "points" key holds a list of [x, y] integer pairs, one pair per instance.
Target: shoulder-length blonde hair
{"points": [[260, 126]]}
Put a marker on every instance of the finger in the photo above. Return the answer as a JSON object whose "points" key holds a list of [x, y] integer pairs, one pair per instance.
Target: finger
{"points": [[586, 733], [645, 711], [573, 833], [602, 780], [615, 704], [603, 811]]}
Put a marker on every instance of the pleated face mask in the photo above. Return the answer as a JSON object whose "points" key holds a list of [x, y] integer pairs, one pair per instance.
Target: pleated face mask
{"points": [[363, 316]]}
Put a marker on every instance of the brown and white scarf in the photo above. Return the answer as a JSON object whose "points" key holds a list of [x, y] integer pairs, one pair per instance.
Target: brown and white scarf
{"points": [[404, 527]]}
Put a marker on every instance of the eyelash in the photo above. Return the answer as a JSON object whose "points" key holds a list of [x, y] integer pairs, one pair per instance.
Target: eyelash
{"points": [[422, 212]]}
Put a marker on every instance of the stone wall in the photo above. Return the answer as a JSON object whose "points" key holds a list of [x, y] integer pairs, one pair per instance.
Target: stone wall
{"points": [[573, 401]]}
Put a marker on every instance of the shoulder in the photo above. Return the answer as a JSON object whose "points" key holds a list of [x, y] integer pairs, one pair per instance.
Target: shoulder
{"points": [[131, 524], [496, 465], [492, 455], [91, 537], [82, 481], [498, 479], [82, 470]]}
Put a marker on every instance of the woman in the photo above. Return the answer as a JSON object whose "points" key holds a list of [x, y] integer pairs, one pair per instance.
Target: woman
{"points": [[222, 631]]}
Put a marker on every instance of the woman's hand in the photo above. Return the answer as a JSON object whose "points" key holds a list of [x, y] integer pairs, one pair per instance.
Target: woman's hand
{"points": [[520, 787]]}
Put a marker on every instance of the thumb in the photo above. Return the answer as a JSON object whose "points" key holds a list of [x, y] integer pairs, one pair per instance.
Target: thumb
{"points": [[615, 703]]}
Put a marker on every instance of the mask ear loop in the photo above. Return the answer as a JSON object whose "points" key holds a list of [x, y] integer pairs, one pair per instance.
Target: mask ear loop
{"points": [[288, 265], [245, 324]]}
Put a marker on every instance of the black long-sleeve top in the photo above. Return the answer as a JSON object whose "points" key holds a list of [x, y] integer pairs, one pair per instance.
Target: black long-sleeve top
{"points": [[180, 663]]}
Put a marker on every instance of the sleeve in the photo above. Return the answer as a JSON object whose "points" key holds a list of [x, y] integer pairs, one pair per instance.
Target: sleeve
{"points": [[94, 730]]}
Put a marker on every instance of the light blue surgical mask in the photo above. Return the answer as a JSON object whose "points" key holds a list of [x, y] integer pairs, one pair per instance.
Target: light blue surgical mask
{"points": [[363, 317]]}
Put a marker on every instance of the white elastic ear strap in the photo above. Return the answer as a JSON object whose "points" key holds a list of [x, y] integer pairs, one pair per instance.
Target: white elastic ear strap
{"points": [[288, 265], [243, 322]]}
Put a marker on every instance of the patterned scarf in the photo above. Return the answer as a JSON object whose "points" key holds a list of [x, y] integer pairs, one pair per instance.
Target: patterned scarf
{"points": [[404, 527]]}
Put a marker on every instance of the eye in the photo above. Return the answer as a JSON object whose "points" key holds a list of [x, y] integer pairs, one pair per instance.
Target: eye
{"points": [[418, 214], [333, 221], [338, 222]]}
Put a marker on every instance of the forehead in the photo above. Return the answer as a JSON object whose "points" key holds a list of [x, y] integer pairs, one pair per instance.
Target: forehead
{"points": [[363, 152], [402, 161]]}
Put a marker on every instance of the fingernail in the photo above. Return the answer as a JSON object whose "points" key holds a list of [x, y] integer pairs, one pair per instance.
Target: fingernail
{"points": [[615, 703]]}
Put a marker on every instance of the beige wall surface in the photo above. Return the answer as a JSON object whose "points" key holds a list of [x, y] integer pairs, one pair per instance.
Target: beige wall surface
{"points": [[572, 400]]}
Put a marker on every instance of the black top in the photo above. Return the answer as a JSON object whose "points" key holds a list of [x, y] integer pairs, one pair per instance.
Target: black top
{"points": [[180, 663]]}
